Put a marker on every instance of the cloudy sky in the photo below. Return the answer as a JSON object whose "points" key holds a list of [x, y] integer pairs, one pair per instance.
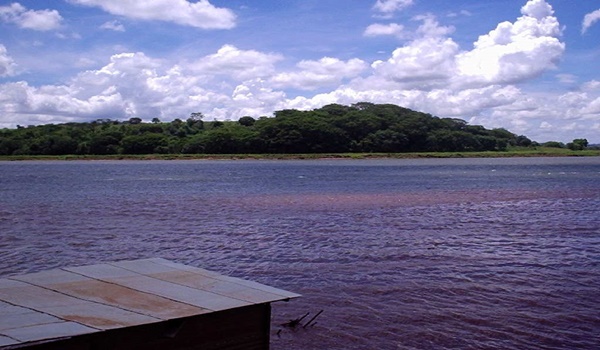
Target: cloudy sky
{"points": [[532, 67]]}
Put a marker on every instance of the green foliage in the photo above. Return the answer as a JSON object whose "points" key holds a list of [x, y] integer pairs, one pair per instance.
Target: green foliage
{"points": [[143, 144], [334, 128], [553, 144], [247, 121], [578, 144]]}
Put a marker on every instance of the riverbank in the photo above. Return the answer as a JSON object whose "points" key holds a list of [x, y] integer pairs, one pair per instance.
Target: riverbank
{"points": [[525, 152]]}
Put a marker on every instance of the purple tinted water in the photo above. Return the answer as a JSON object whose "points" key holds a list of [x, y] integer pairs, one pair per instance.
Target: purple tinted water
{"points": [[400, 254]]}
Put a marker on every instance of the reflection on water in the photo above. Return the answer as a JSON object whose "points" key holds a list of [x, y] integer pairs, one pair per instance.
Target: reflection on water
{"points": [[465, 254]]}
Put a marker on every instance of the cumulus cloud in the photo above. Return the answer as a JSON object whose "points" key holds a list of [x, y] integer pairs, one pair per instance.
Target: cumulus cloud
{"points": [[424, 62], [433, 74], [7, 64], [113, 25], [591, 85], [201, 14], [537, 9], [388, 7], [40, 20], [236, 63], [134, 84], [589, 20], [316, 74], [378, 29], [428, 72], [516, 51], [53, 104]]}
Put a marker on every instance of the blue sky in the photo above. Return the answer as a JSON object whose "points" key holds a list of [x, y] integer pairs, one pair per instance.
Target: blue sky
{"points": [[532, 67]]}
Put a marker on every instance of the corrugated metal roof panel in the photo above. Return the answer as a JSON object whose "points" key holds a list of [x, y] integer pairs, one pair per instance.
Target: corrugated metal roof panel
{"points": [[86, 288], [80, 300], [4, 341], [23, 318], [47, 331], [192, 296]]}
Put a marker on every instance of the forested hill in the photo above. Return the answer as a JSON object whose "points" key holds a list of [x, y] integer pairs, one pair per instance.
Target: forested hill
{"points": [[362, 127]]}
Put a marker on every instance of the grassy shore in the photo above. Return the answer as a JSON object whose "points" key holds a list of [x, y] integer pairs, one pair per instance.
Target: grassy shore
{"points": [[515, 152]]}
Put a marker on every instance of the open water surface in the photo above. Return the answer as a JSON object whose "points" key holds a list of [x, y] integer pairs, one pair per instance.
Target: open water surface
{"points": [[400, 254]]}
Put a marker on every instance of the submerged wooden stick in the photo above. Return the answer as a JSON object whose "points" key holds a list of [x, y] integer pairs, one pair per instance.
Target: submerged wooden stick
{"points": [[295, 322], [312, 319]]}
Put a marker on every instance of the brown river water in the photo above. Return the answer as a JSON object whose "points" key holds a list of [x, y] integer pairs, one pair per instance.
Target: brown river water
{"points": [[399, 254]]}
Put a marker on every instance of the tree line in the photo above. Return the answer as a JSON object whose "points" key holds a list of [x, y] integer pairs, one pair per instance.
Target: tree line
{"points": [[361, 127]]}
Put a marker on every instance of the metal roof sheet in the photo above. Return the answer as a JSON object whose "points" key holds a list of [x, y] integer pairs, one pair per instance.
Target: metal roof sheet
{"points": [[80, 300]]}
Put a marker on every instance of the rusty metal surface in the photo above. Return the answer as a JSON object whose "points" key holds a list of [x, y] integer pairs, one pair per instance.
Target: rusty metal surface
{"points": [[86, 288], [80, 300]]}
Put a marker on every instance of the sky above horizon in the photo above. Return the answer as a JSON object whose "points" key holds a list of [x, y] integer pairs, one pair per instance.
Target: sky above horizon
{"points": [[532, 67]]}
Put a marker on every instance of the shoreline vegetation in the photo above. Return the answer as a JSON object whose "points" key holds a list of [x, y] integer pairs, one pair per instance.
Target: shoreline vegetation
{"points": [[359, 131], [518, 152]]}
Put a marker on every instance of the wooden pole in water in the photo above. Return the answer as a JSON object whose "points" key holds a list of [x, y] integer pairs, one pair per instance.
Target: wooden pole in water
{"points": [[312, 319]]}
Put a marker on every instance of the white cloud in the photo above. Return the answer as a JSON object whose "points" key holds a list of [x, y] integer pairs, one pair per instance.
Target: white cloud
{"points": [[316, 74], [589, 20], [53, 104], [200, 14], [378, 29], [7, 64], [255, 98], [592, 110], [566, 78], [134, 84], [41, 20], [236, 63], [423, 63], [538, 9], [430, 73], [516, 51], [113, 25], [591, 85], [461, 13], [388, 7], [431, 27]]}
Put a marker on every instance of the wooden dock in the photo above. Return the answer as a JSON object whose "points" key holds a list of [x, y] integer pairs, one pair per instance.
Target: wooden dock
{"points": [[141, 304]]}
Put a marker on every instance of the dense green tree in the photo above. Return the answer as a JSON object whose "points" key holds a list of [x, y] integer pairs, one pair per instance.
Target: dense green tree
{"points": [[522, 140], [247, 121], [195, 123], [384, 141], [8, 146], [143, 144], [554, 144], [105, 143], [578, 144], [361, 127], [229, 139]]}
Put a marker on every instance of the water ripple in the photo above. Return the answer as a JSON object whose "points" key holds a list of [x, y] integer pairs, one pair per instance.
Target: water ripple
{"points": [[417, 255]]}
